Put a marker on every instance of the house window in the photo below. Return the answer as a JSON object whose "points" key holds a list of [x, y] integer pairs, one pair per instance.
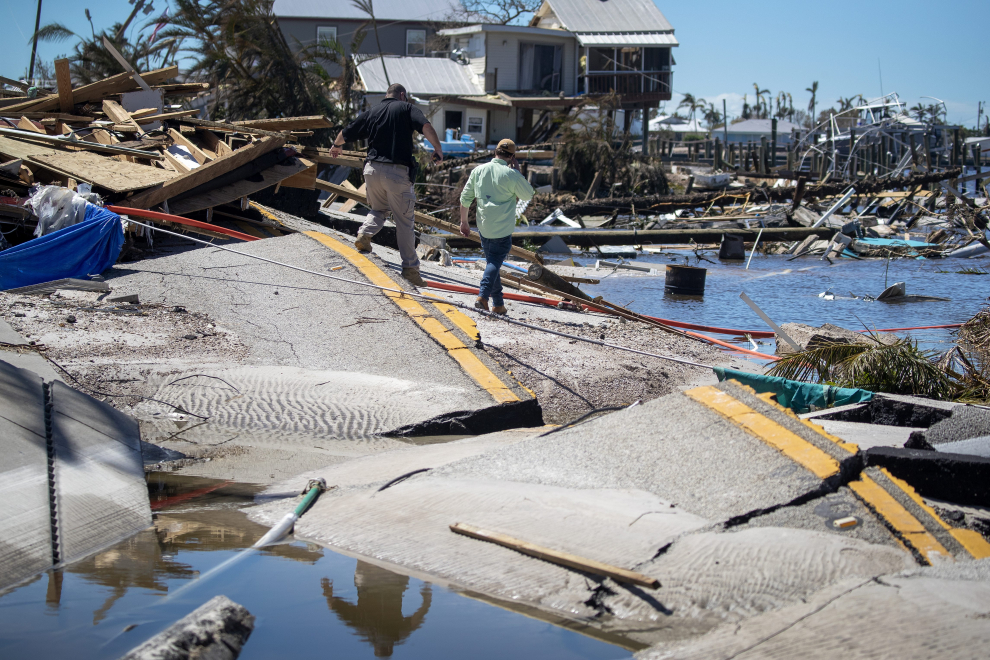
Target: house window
{"points": [[415, 42], [474, 124], [326, 33], [539, 67]]}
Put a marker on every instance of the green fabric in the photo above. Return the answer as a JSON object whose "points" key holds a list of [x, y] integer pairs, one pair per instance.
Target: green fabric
{"points": [[496, 186], [793, 394]]}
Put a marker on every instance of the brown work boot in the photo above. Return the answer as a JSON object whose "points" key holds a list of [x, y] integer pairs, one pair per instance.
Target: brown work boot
{"points": [[500, 310], [363, 243], [412, 274], [481, 303]]}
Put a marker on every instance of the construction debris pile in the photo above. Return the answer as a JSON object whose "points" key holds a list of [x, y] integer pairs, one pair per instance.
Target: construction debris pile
{"points": [[124, 139]]}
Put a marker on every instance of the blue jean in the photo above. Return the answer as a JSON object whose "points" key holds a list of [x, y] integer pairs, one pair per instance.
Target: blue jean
{"points": [[496, 250]]}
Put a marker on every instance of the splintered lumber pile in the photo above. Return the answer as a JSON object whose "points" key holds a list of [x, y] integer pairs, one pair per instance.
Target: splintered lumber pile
{"points": [[138, 151]]}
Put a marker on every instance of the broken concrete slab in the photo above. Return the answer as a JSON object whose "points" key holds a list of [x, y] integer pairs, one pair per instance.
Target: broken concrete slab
{"points": [[973, 446], [100, 492], [25, 516], [9, 336], [868, 435], [809, 337], [964, 423], [217, 630], [903, 616], [951, 477]]}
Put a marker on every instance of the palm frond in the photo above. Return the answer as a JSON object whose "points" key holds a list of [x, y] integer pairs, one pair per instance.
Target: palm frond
{"points": [[53, 32]]}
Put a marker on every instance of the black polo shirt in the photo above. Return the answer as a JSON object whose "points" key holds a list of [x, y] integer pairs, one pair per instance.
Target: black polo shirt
{"points": [[389, 127]]}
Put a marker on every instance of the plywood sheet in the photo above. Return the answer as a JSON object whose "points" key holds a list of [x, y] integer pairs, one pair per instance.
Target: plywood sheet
{"points": [[22, 149], [233, 192], [114, 175]]}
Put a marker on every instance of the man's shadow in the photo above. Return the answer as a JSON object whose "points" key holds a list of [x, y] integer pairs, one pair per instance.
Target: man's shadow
{"points": [[377, 616]]}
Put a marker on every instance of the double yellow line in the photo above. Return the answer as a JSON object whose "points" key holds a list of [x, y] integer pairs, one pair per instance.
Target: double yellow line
{"points": [[468, 361], [879, 490]]}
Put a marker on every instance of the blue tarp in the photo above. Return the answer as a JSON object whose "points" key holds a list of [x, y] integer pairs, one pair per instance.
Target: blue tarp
{"points": [[794, 394], [88, 248]]}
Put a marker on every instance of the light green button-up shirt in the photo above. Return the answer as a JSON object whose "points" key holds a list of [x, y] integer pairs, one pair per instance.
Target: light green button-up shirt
{"points": [[496, 186]]}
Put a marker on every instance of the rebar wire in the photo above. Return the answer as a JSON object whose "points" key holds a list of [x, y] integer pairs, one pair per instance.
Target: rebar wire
{"points": [[428, 298]]}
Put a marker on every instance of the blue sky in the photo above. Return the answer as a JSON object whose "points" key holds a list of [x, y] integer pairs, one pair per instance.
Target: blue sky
{"points": [[925, 48]]}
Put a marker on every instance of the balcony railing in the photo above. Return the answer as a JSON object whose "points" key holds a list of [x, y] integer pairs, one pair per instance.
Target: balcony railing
{"points": [[648, 82]]}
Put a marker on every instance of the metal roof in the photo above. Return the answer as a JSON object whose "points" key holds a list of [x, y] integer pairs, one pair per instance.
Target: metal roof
{"points": [[762, 126], [491, 27], [385, 10], [598, 16], [421, 76], [596, 39]]}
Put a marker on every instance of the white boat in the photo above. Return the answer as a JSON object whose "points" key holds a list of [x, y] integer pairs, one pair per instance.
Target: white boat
{"points": [[712, 181]]}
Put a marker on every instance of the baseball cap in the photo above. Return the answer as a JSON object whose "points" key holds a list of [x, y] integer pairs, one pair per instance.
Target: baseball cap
{"points": [[506, 145]]}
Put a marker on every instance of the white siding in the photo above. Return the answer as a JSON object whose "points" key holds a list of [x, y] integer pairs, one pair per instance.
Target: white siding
{"points": [[502, 125]]}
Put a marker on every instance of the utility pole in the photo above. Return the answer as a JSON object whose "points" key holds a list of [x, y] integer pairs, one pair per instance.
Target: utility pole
{"points": [[34, 46], [725, 124]]}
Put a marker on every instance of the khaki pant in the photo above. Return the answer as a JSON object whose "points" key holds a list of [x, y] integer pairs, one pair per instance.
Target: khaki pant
{"points": [[389, 189]]}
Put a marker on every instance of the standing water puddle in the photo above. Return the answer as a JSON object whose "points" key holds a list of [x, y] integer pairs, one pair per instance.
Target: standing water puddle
{"points": [[788, 291], [307, 600]]}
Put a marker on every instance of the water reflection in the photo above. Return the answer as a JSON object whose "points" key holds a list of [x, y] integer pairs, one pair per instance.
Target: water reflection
{"points": [[377, 616], [149, 559]]}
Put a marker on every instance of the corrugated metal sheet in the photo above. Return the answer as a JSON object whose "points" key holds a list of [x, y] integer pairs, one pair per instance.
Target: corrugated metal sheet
{"points": [[385, 10], [596, 39], [421, 76], [610, 15]]}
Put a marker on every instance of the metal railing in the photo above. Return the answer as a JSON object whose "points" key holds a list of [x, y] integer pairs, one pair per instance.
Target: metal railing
{"points": [[627, 83]]}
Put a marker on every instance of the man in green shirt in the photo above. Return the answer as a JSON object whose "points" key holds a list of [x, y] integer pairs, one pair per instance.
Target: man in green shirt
{"points": [[495, 186]]}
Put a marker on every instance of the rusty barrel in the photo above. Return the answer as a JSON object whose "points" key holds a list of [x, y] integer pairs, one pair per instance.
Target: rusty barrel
{"points": [[685, 280]]}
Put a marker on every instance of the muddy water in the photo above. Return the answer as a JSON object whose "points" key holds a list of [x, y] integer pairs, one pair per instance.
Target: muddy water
{"points": [[308, 600], [788, 291]]}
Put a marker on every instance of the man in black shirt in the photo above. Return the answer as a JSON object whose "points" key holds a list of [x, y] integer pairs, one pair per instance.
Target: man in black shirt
{"points": [[390, 169]]}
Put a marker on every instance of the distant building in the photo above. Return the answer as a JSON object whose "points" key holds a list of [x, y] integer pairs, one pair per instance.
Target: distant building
{"points": [[753, 129], [679, 126], [405, 27]]}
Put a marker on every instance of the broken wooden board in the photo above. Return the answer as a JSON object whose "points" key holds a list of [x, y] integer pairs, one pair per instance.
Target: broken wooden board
{"points": [[305, 179], [122, 82], [205, 173], [114, 175], [227, 194], [287, 123]]}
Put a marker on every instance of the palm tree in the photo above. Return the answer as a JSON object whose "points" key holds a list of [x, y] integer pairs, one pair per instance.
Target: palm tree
{"points": [[712, 117], [239, 48], [813, 90], [919, 111], [762, 109], [367, 6], [91, 61], [691, 103]]}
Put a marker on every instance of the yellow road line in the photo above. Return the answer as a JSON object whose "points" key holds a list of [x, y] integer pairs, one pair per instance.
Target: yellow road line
{"points": [[787, 442], [468, 361], [249, 229], [265, 213], [456, 317], [273, 231], [972, 541], [905, 524]]}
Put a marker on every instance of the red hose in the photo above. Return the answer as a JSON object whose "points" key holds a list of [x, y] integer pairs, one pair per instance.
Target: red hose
{"points": [[142, 213], [553, 303]]}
